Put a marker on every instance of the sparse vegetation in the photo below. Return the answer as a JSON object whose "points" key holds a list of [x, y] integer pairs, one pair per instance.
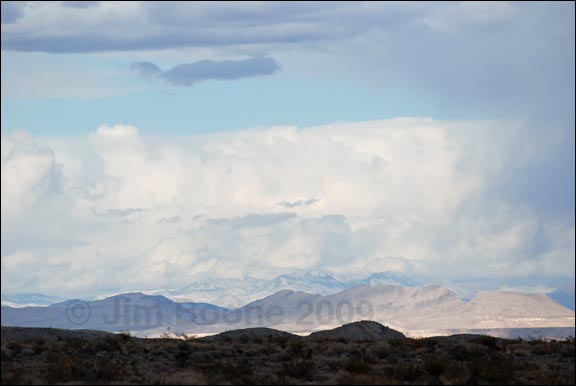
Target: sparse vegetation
{"points": [[435, 366], [123, 359], [408, 371]]}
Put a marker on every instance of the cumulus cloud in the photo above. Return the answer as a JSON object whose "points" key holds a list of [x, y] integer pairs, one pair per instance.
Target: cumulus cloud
{"points": [[410, 194], [32, 185], [188, 74], [30, 174], [116, 131]]}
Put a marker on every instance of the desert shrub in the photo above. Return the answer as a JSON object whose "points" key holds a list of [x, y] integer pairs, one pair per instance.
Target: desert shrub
{"points": [[7, 355], [356, 366], [182, 377], [153, 380], [229, 371], [435, 366], [227, 339], [387, 371], [124, 336], [396, 342], [568, 350], [535, 340], [108, 369], [296, 348], [266, 379], [541, 349], [267, 351], [39, 341], [186, 337], [382, 350], [477, 351], [424, 342], [15, 347], [407, 371], [244, 339], [12, 376], [354, 379], [60, 372], [183, 353], [459, 352], [84, 370], [280, 341], [334, 364], [284, 357], [487, 341], [335, 349], [303, 370], [53, 356], [108, 344], [498, 370]]}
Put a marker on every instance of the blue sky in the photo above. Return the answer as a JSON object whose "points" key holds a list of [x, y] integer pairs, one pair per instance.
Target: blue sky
{"points": [[471, 102], [294, 98], [417, 60]]}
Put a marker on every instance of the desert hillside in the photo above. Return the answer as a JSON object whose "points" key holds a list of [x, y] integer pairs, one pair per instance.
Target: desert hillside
{"points": [[358, 353]]}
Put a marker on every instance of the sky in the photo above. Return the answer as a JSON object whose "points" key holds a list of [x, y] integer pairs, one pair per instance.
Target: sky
{"points": [[147, 145]]}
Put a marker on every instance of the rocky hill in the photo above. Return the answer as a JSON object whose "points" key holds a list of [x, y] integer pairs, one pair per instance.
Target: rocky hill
{"points": [[363, 331]]}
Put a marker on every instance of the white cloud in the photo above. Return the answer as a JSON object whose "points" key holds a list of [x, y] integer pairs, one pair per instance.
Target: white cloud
{"points": [[30, 178], [409, 194], [468, 14], [116, 131]]}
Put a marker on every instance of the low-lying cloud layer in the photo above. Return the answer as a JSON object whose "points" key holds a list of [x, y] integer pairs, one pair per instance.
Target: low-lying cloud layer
{"points": [[118, 211]]}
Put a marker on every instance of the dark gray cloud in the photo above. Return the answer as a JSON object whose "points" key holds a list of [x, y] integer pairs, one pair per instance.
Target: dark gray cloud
{"points": [[12, 11], [119, 213], [170, 220], [295, 204], [253, 220], [163, 25], [188, 74], [145, 70], [80, 4]]}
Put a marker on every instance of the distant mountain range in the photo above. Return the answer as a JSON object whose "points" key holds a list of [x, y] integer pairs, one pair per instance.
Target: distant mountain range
{"points": [[30, 300], [430, 310], [234, 293], [564, 296], [125, 312], [425, 309]]}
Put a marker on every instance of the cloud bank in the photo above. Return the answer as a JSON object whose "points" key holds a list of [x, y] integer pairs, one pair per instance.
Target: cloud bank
{"points": [[119, 211], [89, 26], [188, 74]]}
